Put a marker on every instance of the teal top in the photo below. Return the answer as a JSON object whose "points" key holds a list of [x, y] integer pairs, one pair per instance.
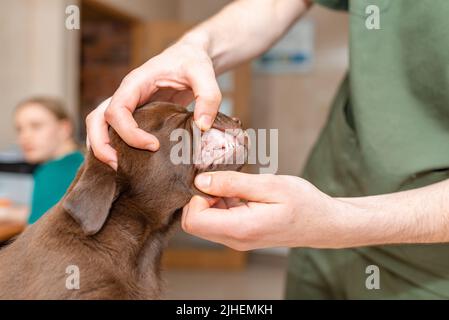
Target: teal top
{"points": [[51, 180]]}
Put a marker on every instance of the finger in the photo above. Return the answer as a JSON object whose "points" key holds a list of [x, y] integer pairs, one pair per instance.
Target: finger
{"points": [[240, 227], [260, 188], [207, 95], [122, 121], [87, 143], [211, 223], [119, 116], [198, 204], [98, 136]]}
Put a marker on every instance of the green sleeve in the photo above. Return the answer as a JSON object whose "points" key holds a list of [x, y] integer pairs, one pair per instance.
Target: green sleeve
{"points": [[334, 4], [51, 181]]}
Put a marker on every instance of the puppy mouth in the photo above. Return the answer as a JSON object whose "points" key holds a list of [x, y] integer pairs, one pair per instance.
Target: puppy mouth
{"points": [[219, 146]]}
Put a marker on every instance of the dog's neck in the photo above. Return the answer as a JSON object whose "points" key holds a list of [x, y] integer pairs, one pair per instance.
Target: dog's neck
{"points": [[135, 241]]}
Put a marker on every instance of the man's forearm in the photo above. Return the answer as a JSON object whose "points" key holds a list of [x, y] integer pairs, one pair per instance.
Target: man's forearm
{"points": [[245, 29], [414, 216]]}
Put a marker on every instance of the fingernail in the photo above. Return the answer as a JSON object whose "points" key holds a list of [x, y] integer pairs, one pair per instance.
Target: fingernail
{"points": [[203, 181], [152, 146], [113, 164], [204, 122]]}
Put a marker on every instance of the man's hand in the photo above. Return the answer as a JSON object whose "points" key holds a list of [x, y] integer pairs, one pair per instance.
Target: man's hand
{"points": [[181, 73], [280, 211], [290, 212]]}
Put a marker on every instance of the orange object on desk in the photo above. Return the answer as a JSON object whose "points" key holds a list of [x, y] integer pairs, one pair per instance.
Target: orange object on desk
{"points": [[10, 229], [5, 202]]}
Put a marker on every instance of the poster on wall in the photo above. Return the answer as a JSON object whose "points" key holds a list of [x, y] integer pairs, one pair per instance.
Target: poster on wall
{"points": [[292, 54]]}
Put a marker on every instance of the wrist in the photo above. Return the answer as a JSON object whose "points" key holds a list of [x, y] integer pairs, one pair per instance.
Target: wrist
{"points": [[358, 222], [202, 40], [199, 39]]}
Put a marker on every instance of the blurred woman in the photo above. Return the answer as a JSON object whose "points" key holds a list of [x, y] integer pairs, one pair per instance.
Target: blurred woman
{"points": [[45, 135]]}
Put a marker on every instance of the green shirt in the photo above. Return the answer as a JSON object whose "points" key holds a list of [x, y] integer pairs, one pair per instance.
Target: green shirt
{"points": [[51, 181], [389, 125]]}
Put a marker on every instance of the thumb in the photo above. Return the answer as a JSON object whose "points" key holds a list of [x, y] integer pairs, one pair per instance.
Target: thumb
{"points": [[207, 95], [251, 187]]}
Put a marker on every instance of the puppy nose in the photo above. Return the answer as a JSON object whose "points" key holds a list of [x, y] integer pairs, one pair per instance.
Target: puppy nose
{"points": [[237, 120]]}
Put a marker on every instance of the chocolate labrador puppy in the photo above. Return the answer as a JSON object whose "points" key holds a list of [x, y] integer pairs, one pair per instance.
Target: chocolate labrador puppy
{"points": [[108, 232]]}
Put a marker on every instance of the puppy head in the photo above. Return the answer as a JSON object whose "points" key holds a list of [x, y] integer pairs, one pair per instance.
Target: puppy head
{"points": [[157, 184]]}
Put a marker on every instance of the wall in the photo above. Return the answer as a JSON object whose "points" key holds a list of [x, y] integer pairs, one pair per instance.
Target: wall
{"points": [[298, 104], [38, 56], [198, 10], [144, 9]]}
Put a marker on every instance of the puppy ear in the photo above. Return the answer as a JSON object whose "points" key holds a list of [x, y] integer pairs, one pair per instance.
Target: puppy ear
{"points": [[91, 195]]}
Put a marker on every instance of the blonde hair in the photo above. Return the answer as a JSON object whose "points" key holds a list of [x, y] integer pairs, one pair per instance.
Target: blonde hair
{"points": [[54, 105]]}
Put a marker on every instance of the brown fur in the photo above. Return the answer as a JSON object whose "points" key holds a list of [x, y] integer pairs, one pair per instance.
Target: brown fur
{"points": [[112, 225]]}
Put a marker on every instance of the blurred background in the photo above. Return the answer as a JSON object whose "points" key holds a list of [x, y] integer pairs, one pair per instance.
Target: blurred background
{"points": [[289, 88]]}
